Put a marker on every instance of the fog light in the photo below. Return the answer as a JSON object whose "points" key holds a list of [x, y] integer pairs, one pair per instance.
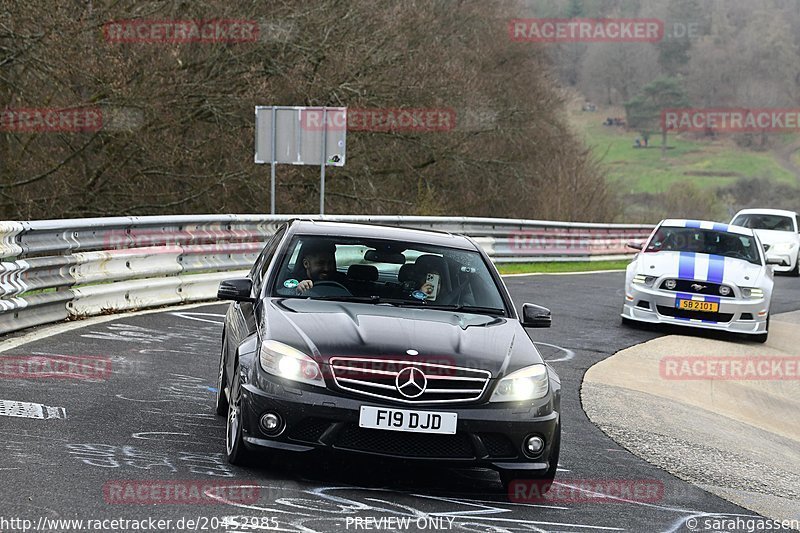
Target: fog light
{"points": [[271, 424], [533, 446], [671, 284]]}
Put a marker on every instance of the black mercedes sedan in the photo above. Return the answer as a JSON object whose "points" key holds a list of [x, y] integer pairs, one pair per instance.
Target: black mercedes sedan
{"points": [[362, 339]]}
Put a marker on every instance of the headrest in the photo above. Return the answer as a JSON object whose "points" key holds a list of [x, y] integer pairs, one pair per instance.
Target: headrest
{"points": [[406, 273], [362, 272]]}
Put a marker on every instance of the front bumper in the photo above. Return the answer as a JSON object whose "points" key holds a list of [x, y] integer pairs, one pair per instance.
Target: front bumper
{"points": [[732, 316], [320, 420], [789, 258]]}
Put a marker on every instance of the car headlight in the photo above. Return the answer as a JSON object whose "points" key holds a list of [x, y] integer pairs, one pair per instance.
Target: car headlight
{"points": [[529, 383], [783, 247], [752, 292], [641, 279], [284, 361]]}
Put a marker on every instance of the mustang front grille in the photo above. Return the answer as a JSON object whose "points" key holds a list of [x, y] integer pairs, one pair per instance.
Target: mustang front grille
{"points": [[409, 381], [697, 287]]}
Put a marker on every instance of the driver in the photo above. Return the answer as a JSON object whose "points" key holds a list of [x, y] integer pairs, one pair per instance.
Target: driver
{"points": [[319, 264]]}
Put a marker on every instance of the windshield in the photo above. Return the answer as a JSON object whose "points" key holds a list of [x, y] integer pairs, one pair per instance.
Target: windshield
{"points": [[385, 271], [771, 222], [704, 241]]}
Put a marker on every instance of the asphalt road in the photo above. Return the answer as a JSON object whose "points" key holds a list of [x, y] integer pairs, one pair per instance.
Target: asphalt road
{"points": [[151, 419]]}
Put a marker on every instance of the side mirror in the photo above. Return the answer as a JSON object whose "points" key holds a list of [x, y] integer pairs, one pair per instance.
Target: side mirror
{"points": [[237, 290], [780, 261], [535, 316], [635, 245]]}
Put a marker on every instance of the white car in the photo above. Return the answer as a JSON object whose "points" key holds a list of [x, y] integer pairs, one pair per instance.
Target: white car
{"points": [[700, 274], [779, 232]]}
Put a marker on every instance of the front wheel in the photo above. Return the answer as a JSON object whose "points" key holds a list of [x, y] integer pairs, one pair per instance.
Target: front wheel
{"points": [[795, 272], [234, 443]]}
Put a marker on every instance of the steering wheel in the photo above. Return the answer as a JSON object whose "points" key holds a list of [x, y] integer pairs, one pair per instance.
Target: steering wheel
{"points": [[330, 285]]}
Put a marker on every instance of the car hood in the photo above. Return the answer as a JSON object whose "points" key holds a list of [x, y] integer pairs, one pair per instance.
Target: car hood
{"points": [[772, 237], [325, 329], [700, 267]]}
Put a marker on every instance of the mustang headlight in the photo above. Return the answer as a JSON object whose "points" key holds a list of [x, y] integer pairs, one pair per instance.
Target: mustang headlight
{"points": [[752, 292], [641, 279], [783, 247], [284, 361], [529, 383]]}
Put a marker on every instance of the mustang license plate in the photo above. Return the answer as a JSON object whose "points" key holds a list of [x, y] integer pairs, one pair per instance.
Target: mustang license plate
{"points": [[694, 305]]}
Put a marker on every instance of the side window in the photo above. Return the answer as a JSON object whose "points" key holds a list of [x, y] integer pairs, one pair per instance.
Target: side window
{"points": [[797, 222], [262, 263]]}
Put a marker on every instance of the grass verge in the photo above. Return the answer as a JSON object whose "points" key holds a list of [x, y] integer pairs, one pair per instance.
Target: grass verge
{"points": [[558, 267]]}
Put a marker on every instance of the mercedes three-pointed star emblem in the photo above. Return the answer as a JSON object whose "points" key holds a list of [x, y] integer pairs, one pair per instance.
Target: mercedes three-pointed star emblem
{"points": [[411, 382]]}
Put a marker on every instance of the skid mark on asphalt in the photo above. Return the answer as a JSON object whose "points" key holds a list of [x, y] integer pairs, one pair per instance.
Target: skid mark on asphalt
{"points": [[125, 457], [332, 506], [30, 410], [333, 509]]}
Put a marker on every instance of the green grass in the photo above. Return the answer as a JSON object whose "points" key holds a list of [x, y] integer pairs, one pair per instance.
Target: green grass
{"points": [[577, 266], [720, 162]]}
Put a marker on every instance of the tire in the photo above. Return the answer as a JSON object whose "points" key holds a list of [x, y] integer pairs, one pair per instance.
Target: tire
{"points": [[221, 407], [235, 450], [795, 272], [543, 481]]}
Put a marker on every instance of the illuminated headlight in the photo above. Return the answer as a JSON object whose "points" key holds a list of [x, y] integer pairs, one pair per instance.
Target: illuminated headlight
{"points": [[749, 292], [670, 284], [641, 279], [284, 361], [724, 290], [783, 247], [529, 383]]}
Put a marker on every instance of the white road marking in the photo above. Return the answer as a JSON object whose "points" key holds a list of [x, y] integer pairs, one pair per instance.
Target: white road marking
{"points": [[50, 331], [568, 354], [30, 410], [196, 316]]}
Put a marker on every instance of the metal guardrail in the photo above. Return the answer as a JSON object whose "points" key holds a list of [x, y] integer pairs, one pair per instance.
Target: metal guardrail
{"points": [[54, 270]]}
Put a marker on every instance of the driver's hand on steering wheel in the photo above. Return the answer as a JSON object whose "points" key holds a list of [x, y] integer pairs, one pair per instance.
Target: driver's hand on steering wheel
{"points": [[304, 286]]}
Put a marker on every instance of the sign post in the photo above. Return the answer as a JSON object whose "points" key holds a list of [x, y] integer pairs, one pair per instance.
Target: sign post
{"points": [[300, 136]]}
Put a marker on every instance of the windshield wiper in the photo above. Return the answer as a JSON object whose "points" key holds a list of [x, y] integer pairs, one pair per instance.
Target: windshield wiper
{"points": [[374, 299], [468, 309], [345, 298]]}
